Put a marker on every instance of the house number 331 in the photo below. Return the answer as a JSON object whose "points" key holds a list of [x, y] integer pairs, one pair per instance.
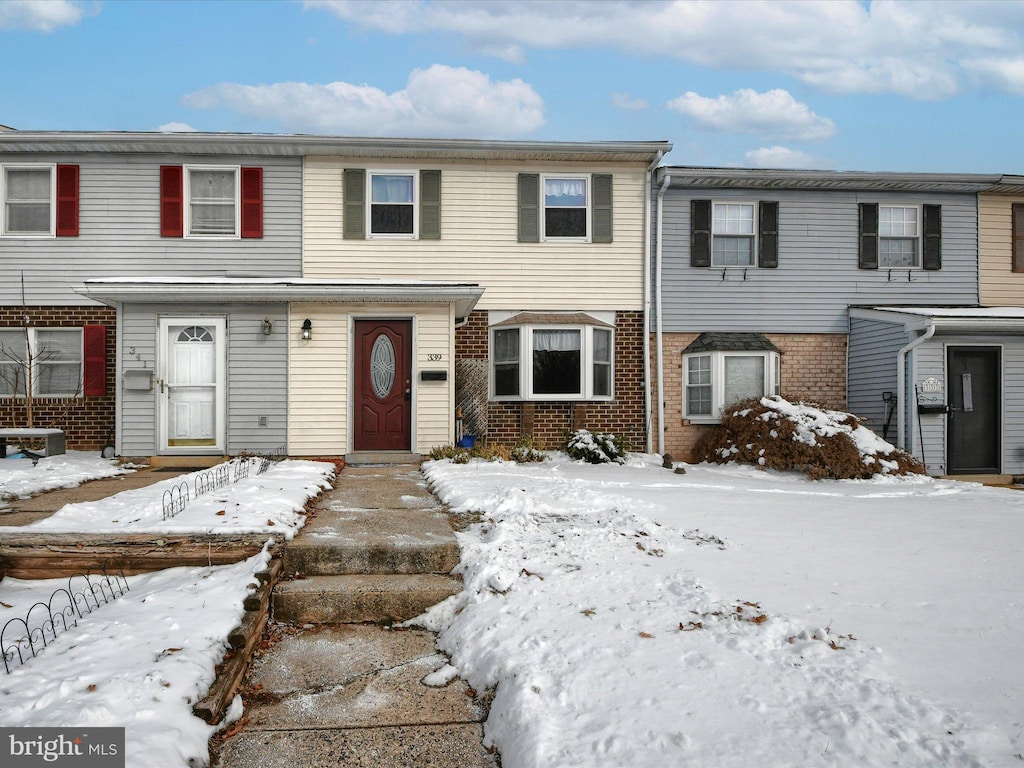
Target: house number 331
{"points": [[433, 358]]}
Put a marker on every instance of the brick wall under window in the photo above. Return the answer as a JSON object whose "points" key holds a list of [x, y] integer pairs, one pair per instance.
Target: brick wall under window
{"points": [[813, 369], [550, 423], [88, 421]]}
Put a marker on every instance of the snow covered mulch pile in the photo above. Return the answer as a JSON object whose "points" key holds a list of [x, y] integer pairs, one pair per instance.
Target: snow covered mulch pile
{"points": [[271, 503], [773, 433], [626, 615], [140, 661], [20, 479]]}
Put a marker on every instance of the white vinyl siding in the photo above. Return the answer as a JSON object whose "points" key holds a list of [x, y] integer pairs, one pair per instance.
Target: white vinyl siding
{"points": [[320, 371], [1000, 285], [479, 215]]}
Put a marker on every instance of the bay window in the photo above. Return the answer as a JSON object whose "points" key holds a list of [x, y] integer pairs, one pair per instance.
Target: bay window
{"points": [[551, 362], [714, 379]]}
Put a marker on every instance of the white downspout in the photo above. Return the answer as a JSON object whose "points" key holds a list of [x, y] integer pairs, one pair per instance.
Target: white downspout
{"points": [[901, 379], [666, 180], [647, 295]]}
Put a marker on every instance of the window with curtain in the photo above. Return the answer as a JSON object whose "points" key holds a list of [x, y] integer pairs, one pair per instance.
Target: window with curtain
{"points": [[566, 204], [392, 203], [714, 380], [55, 356], [552, 363], [28, 201], [213, 201]]}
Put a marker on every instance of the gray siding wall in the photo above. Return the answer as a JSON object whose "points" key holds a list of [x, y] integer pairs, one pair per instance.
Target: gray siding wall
{"points": [[872, 370], [817, 277], [257, 375], [119, 234]]}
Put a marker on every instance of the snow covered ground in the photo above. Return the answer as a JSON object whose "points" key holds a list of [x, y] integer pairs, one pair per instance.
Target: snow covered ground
{"points": [[630, 616], [142, 660], [20, 478]]}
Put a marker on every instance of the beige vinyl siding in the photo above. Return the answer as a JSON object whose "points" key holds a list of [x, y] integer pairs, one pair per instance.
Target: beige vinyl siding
{"points": [[1000, 285], [479, 239], [319, 419]]}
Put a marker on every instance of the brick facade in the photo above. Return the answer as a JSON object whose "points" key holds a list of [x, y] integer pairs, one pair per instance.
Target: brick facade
{"points": [[88, 421], [813, 368], [548, 423]]}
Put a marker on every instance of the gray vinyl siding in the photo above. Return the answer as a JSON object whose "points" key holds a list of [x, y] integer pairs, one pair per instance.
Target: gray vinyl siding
{"points": [[119, 235], [257, 375], [817, 278], [929, 438], [871, 370]]}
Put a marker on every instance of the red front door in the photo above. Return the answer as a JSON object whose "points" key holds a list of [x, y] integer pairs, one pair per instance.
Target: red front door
{"points": [[383, 385]]}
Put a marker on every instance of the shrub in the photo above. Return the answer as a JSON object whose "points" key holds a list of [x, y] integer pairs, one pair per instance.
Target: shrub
{"points": [[595, 448], [521, 453], [773, 433]]}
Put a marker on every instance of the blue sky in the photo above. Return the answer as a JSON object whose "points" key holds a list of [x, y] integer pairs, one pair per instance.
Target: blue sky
{"points": [[888, 86]]}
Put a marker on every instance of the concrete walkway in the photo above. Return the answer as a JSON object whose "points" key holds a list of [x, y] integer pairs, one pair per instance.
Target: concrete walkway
{"points": [[336, 687]]}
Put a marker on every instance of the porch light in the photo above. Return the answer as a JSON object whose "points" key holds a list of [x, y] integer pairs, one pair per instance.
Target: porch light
{"points": [[307, 329], [268, 326]]}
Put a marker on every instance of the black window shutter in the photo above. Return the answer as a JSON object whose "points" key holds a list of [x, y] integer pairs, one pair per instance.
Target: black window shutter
{"points": [[768, 235], [1017, 228], [868, 236], [932, 248], [700, 233], [430, 205], [529, 207], [601, 189], [354, 216]]}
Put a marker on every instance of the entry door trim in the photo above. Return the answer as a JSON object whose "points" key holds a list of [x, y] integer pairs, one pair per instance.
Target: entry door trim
{"points": [[352, 372], [949, 348], [164, 346]]}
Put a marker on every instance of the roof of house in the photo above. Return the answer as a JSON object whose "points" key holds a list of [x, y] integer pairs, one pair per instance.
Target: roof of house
{"points": [[760, 178], [303, 145]]}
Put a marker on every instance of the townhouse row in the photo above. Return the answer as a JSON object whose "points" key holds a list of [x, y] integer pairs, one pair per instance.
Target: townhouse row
{"points": [[182, 295]]}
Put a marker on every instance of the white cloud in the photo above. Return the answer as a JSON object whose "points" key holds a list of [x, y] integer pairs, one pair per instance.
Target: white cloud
{"points": [[39, 15], [625, 101], [773, 114], [439, 101], [1000, 74], [783, 157], [176, 128], [916, 49]]}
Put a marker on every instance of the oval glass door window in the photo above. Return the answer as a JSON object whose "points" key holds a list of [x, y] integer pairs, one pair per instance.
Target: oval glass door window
{"points": [[382, 366]]}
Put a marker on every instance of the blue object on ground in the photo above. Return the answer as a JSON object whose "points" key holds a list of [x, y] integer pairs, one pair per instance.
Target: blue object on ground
{"points": [[467, 441]]}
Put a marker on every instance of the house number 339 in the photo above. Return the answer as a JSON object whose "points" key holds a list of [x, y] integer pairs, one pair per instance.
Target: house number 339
{"points": [[433, 358]]}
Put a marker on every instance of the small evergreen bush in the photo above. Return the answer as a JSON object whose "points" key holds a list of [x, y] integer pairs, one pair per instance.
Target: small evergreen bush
{"points": [[595, 448], [773, 433], [522, 452]]}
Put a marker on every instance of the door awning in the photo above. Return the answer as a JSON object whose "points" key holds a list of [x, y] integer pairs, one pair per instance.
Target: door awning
{"points": [[233, 290]]}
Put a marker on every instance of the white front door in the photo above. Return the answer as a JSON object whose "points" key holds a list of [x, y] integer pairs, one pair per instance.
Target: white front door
{"points": [[192, 385]]}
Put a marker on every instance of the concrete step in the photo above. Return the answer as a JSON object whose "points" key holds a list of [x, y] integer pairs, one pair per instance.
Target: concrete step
{"points": [[373, 541], [382, 457], [354, 599], [424, 746]]}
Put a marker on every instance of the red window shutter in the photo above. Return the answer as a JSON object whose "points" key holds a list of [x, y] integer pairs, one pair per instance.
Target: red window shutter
{"points": [[67, 201], [172, 201], [252, 202], [94, 343]]}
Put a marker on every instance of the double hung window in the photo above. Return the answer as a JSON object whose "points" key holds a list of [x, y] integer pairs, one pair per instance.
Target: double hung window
{"points": [[51, 358], [566, 207], [551, 362], [898, 236], [212, 209], [734, 235], [393, 204], [28, 194]]}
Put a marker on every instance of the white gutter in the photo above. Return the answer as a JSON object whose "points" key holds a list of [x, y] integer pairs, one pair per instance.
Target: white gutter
{"points": [[901, 379], [666, 180], [647, 297]]}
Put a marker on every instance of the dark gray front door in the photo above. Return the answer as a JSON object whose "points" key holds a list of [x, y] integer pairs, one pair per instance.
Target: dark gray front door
{"points": [[973, 435]]}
